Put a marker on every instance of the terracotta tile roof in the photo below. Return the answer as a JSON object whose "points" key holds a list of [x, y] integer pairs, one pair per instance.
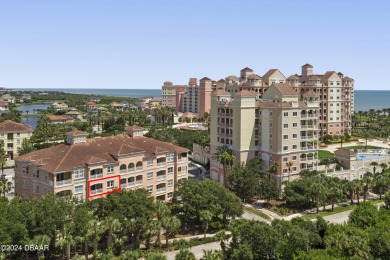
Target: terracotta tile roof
{"points": [[310, 93], [272, 104], [134, 128], [155, 100], [345, 151], [269, 73], [232, 77], [205, 78], [62, 158], [91, 103], [293, 77], [328, 74], [193, 81], [76, 132], [58, 118], [307, 65], [3, 104], [188, 114], [247, 69], [11, 126], [314, 77], [221, 81], [245, 93], [347, 79], [220, 92], [254, 76], [285, 89]]}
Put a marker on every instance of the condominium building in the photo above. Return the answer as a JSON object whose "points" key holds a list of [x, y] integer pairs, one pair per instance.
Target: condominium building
{"points": [[12, 135], [280, 127], [335, 92], [91, 168]]}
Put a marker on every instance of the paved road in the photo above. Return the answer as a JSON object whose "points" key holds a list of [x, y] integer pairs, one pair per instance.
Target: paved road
{"points": [[197, 250], [338, 218], [251, 216]]}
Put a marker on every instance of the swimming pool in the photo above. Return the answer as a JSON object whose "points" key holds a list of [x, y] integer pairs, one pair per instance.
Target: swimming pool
{"points": [[369, 156]]}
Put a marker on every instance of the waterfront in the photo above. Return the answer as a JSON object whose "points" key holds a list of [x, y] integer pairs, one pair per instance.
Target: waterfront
{"points": [[364, 99], [32, 108]]}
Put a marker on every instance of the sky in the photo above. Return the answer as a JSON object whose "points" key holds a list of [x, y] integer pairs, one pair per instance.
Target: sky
{"points": [[126, 44]]}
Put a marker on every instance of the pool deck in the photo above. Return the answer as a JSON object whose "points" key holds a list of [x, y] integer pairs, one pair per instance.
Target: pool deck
{"points": [[333, 147]]}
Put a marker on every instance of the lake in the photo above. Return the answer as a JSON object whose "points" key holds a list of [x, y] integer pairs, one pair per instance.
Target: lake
{"points": [[32, 108]]}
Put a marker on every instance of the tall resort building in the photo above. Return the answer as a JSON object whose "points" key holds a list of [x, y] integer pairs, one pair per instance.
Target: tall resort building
{"points": [[280, 127]]}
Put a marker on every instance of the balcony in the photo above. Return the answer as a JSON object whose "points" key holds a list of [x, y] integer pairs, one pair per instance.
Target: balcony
{"points": [[309, 126], [63, 182], [139, 182], [308, 115], [10, 140], [161, 177], [10, 148], [123, 186], [132, 183], [96, 191], [161, 164], [139, 168], [309, 137], [96, 176], [123, 171], [305, 148], [159, 190]]}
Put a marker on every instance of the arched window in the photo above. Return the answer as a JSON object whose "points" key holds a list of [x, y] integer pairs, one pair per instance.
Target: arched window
{"points": [[131, 167], [123, 168], [139, 166]]}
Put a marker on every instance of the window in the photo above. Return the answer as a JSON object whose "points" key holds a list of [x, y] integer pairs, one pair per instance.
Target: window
{"points": [[294, 158], [150, 175], [78, 173], [295, 113], [285, 125], [270, 147], [26, 184], [18, 134], [170, 170], [170, 195], [110, 168], [295, 136], [285, 170], [270, 136], [78, 189], [150, 161], [170, 183], [149, 188], [270, 125], [294, 168], [285, 148], [184, 169], [294, 147], [110, 184], [170, 157], [25, 169], [285, 137], [36, 174], [285, 114], [18, 141], [270, 113], [37, 190], [295, 124], [285, 159]]}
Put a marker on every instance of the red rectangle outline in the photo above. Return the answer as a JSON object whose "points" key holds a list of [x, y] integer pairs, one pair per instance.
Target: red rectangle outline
{"points": [[107, 192]]}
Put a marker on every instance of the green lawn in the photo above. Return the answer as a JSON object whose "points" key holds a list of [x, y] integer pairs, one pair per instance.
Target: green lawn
{"points": [[337, 210], [324, 153], [257, 212]]}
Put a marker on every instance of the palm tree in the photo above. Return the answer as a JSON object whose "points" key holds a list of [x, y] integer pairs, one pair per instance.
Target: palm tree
{"points": [[226, 158], [335, 191], [380, 180], [111, 225], [350, 187], [289, 168], [384, 167], [26, 147], [212, 255], [5, 186], [319, 190], [65, 241], [205, 217], [358, 188], [94, 231], [171, 225], [367, 179], [326, 161], [374, 164], [273, 168], [41, 240]]}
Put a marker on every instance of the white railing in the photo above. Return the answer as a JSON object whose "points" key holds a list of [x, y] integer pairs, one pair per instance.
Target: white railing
{"points": [[131, 169], [97, 191], [138, 182], [160, 177], [96, 176], [123, 185], [131, 183], [161, 189], [63, 182], [123, 171], [139, 168], [161, 164]]}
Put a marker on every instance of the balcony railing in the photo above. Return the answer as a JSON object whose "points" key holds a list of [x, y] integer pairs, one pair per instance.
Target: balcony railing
{"points": [[10, 140], [308, 137], [63, 182], [131, 169], [308, 115], [132, 183], [10, 148], [160, 164], [161, 177], [96, 191], [138, 182], [123, 171], [309, 126], [161, 189], [123, 186], [96, 176], [139, 168]]}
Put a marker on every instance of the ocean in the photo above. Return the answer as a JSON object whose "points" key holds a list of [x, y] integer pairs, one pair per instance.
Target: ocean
{"points": [[364, 99]]}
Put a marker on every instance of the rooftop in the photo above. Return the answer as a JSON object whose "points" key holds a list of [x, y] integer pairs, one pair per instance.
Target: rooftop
{"points": [[11, 126]]}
